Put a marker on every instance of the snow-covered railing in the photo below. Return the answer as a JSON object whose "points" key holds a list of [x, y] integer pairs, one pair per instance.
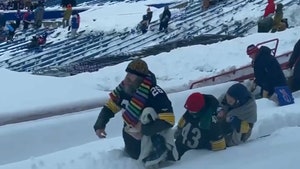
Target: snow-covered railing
{"points": [[240, 74]]}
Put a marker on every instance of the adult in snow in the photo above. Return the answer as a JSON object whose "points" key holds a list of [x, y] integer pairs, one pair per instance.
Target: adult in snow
{"points": [[267, 71], [67, 15], [279, 24], [147, 114], [199, 128], [149, 15], [265, 23], [270, 8], [238, 114], [164, 19], [74, 25]]}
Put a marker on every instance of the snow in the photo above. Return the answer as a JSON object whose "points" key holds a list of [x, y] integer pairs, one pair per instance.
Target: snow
{"points": [[69, 142]]}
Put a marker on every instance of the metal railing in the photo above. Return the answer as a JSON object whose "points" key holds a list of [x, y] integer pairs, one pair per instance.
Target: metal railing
{"points": [[244, 72]]}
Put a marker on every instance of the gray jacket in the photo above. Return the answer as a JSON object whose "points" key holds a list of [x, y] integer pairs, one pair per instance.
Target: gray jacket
{"points": [[246, 112]]}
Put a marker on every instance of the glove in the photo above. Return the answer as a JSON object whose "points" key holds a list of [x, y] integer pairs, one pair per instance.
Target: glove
{"points": [[265, 94], [221, 115], [101, 133], [148, 115], [244, 127], [218, 144], [235, 122]]}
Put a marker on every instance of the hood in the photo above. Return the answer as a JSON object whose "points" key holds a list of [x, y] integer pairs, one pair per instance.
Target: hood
{"points": [[263, 51], [240, 93]]}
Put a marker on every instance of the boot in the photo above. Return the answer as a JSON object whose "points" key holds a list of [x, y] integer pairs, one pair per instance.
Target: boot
{"points": [[159, 152]]}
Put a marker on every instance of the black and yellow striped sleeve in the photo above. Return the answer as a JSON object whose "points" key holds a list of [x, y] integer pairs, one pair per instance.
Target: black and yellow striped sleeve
{"points": [[112, 106], [108, 111], [181, 122], [168, 117]]}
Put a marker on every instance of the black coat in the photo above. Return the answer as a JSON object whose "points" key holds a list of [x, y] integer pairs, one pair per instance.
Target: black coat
{"points": [[2, 20], [294, 62], [267, 71], [198, 131], [166, 16]]}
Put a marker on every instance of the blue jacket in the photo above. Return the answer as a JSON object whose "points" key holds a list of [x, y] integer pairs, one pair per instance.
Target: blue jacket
{"points": [[74, 22]]}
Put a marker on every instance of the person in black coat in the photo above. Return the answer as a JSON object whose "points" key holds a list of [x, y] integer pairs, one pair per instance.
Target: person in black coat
{"points": [[294, 63], [267, 71], [164, 19], [149, 15]]}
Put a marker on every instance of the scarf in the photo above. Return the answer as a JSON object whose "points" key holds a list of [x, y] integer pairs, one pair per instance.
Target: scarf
{"points": [[134, 109]]}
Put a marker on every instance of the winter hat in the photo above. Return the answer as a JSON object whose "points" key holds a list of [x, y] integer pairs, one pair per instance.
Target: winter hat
{"points": [[252, 49], [239, 92], [195, 102], [148, 9], [138, 67], [279, 7], [69, 6]]}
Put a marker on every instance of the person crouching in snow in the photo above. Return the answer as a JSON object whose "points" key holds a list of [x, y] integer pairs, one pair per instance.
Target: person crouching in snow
{"points": [[238, 113], [198, 128], [147, 114]]}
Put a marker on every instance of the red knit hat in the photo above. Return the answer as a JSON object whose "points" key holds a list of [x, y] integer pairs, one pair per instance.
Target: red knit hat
{"points": [[251, 49], [195, 102]]}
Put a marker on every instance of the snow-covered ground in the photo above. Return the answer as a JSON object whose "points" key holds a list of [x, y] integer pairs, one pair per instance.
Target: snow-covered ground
{"points": [[69, 142]]}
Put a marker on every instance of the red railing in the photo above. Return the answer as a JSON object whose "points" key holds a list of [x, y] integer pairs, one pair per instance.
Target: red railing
{"points": [[242, 73], [273, 50]]}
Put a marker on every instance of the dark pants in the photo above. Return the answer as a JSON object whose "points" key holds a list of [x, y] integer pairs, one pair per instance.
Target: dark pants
{"points": [[132, 146], [265, 24], [18, 23], [181, 149], [25, 25], [163, 25]]}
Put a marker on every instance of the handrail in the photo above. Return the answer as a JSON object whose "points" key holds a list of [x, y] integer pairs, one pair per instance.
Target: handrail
{"points": [[248, 74], [273, 50]]}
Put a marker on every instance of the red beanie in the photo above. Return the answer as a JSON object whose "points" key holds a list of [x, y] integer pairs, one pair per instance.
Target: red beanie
{"points": [[251, 49], [195, 102]]}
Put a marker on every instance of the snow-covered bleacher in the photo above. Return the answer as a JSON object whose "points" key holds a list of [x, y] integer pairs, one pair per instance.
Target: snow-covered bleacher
{"points": [[188, 22]]}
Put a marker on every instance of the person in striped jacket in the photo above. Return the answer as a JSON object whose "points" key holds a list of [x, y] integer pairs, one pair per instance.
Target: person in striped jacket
{"points": [[146, 111]]}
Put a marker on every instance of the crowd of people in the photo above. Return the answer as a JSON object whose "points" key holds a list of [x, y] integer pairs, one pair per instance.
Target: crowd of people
{"points": [[164, 19], [272, 19], [20, 4], [22, 21], [207, 123], [34, 18], [71, 20]]}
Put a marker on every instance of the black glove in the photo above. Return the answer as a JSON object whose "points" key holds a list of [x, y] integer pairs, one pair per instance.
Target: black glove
{"points": [[235, 123]]}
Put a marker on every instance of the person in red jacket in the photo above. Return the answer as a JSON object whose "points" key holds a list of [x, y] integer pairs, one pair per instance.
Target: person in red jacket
{"points": [[270, 8]]}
